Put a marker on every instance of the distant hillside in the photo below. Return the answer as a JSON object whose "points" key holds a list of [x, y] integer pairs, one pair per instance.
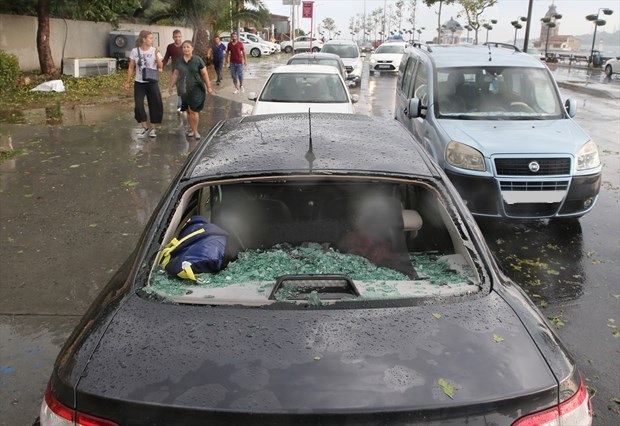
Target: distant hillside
{"points": [[609, 39]]}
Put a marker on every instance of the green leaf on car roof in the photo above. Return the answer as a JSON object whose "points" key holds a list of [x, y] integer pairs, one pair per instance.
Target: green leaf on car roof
{"points": [[437, 315], [498, 339], [447, 387]]}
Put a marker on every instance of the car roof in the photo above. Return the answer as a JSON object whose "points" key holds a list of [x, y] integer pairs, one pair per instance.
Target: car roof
{"points": [[315, 55], [341, 143], [351, 42], [305, 69], [452, 56]]}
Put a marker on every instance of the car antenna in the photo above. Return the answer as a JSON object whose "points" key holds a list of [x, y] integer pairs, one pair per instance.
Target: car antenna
{"points": [[310, 154]]}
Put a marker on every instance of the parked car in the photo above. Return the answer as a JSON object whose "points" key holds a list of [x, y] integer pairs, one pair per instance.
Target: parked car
{"points": [[387, 57], [354, 288], [365, 46], [492, 117], [612, 66], [319, 58], [350, 55], [275, 47], [302, 44], [253, 49], [299, 88]]}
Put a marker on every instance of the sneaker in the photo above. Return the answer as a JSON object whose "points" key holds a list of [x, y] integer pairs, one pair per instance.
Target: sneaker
{"points": [[152, 133], [217, 82], [242, 89], [236, 91], [190, 134], [197, 135], [142, 133], [179, 110]]}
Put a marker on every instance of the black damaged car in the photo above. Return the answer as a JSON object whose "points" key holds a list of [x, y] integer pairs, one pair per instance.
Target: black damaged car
{"points": [[313, 270]]}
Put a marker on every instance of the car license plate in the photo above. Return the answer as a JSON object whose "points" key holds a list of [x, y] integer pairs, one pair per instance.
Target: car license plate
{"points": [[516, 197], [383, 67]]}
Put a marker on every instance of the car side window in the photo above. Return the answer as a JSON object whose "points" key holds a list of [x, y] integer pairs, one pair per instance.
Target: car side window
{"points": [[420, 85], [407, 83]]}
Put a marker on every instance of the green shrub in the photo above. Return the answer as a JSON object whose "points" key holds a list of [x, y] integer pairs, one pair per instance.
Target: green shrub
{"points": [[9, 70]]}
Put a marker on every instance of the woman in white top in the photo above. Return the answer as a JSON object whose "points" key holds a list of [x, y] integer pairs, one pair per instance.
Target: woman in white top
{"points": [[145, 56]]}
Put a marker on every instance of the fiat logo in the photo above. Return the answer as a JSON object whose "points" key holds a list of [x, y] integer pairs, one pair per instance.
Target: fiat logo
{"points": [[534, 166]]}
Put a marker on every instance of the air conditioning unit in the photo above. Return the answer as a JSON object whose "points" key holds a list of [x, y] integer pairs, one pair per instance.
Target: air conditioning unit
{"points": [[88, 67]]}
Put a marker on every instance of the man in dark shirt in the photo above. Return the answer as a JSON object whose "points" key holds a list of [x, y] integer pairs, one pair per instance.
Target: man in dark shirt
{"points": [[173, 52], [218, 57]]}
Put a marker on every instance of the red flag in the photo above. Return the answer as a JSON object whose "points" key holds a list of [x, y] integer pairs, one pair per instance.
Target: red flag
{"points": [[307, 9]]}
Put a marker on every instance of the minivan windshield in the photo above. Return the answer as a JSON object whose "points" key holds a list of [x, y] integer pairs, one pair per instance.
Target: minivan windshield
{"points": [[497, 93]]}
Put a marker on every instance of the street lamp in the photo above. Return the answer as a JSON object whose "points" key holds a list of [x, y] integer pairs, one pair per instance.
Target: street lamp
{"points": [[419, 31], [518, 26], [489, 27], [549, 21], [468, 28], [597, 23]]}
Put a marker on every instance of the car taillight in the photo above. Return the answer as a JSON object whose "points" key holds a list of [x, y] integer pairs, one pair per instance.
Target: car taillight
{"points": [[54, 413], [576, 410]]}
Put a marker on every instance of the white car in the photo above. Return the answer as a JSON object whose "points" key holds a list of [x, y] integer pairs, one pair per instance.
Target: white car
{"points": [[612, 66], [387, 57], [275, 47], [302, 44], [256, 50], [297, 88], [351, 56]]}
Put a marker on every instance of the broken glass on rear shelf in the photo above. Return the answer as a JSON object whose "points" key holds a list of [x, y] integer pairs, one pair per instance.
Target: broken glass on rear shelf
{"points": [[321, 240]]}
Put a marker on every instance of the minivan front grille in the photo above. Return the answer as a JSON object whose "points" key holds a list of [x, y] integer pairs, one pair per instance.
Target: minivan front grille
{"points": [[349, 69], [507, 185], [523, 166]]}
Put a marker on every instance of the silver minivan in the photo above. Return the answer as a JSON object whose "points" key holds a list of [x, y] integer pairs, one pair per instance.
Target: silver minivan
{"points": [[492, 118]]}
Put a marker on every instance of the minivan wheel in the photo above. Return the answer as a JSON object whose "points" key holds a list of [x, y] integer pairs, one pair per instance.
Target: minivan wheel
{"points": [[288, 49], [255, 53], [608, 71]]}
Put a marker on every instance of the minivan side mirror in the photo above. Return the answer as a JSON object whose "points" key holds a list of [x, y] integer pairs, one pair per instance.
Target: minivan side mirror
{"points": [[414, 109], [252, 96], [571, 107]]}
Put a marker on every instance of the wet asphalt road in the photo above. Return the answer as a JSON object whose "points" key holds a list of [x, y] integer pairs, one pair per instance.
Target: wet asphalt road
{"points": [[74, 204]]}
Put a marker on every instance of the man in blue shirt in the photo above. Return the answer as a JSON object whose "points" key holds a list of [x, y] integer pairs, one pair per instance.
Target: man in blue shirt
{"points": [[218, 57]]}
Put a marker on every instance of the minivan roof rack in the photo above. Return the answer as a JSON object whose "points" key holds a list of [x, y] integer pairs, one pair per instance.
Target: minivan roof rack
{"points": [[426, 46], [504, 45]]}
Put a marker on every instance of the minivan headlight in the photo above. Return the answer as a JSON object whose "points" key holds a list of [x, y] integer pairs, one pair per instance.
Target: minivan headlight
{"points": [[464, 157], [587, 157]]}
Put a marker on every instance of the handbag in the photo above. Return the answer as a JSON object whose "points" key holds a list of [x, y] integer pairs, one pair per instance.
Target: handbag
{"points": [[149, 75], [198, 249]]}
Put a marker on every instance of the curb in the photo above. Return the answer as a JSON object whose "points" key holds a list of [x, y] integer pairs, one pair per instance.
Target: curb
{"points": [[592, 91]]}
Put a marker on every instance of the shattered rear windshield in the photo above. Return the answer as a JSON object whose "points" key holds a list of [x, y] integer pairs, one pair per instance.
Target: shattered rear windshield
{"points": [[313, 242]]}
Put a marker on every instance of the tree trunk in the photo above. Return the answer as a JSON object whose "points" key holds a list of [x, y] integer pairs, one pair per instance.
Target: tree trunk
{"points": [[46, 62]]}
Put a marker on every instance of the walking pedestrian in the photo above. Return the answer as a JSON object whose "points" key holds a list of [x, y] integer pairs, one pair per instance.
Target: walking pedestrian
{"points": [[218, 57], [192, 70], [235, 56], [144, 55], [173, 52]]}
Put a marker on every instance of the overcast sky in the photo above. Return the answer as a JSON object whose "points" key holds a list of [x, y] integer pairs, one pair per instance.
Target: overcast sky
{"points": [[573, 13]]}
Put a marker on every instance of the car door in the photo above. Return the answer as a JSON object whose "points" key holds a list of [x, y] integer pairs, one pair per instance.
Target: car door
{"points": [[404, 90]]}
